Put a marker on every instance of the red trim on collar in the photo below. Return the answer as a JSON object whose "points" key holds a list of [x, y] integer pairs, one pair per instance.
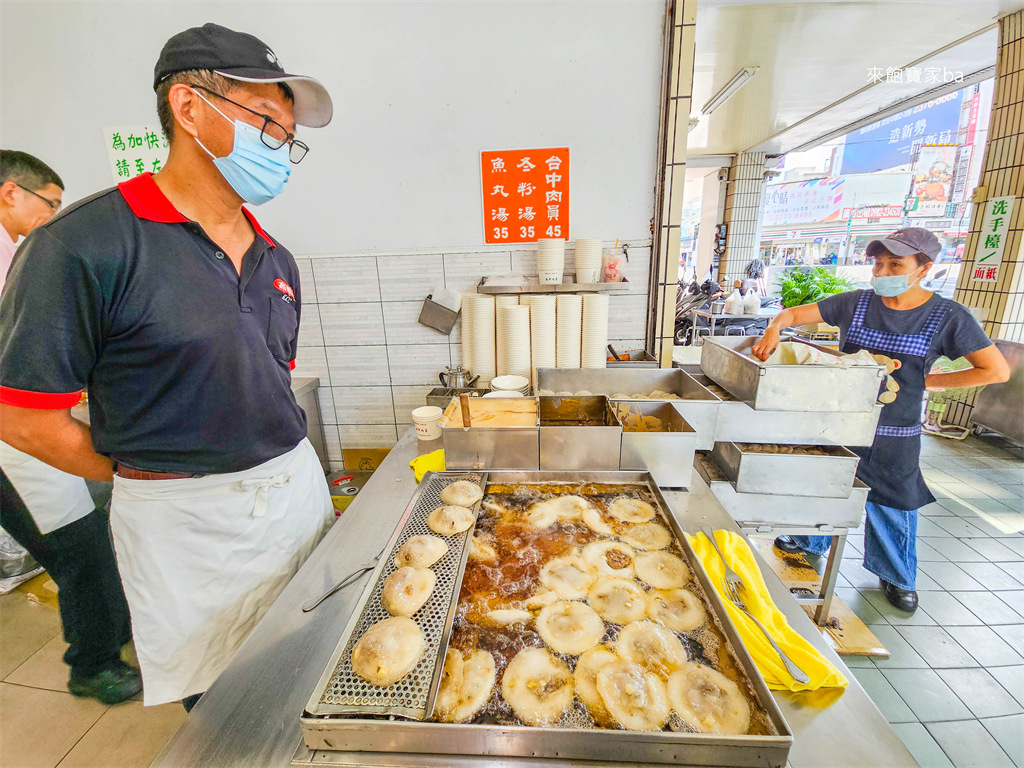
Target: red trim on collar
{"points": [[148, 202], [22, 398], [256, 226]]}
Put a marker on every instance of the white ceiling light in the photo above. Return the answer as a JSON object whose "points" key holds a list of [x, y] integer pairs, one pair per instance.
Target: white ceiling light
{"points": [[739, 80]]}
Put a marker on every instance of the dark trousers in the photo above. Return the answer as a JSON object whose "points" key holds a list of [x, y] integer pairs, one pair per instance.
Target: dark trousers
{"points": [[80, 559]]}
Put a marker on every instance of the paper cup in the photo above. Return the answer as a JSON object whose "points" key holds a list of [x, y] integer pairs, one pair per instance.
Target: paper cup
{"points": [[428, 422]]}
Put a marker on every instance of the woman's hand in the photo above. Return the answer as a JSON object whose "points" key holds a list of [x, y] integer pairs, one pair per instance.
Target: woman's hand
{"points": [[767, 344]]}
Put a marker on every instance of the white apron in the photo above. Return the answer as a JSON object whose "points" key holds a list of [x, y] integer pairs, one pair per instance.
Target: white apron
{"points": [[202, 559], [54, 498]]}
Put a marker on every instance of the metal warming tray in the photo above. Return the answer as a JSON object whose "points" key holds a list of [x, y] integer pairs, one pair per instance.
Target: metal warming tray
{"points": [[665, 451], [340, 691], [775, 510], [696, 403], [579, 433], [738, 422], [484, 447], [727, 360], [788, 474], [441, 396], [365, 734]]}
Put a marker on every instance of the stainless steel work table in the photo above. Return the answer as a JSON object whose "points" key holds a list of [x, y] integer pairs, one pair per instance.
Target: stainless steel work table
{"points": [[250, 716]]}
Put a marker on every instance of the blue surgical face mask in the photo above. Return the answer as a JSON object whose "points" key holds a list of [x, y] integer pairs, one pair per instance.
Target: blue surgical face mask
{"points": [[254, 170], [891, 285]]}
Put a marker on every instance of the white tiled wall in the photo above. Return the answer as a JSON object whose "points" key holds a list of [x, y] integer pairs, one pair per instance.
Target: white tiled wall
{"points": [[376, 363]]}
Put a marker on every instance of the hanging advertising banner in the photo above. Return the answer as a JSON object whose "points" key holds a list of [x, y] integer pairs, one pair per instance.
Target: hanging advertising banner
{"points": [[803, 202], [889, 142], [995, 226], [932, 181], [525, 194], [960, 173]]}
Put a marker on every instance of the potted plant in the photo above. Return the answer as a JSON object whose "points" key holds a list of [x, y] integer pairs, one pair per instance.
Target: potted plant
{"points": [[807, 285]]}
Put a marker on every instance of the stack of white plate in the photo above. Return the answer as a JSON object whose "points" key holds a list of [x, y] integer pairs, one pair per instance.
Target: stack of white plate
{"points": [[481, 314], [503, 394], [568, 330], [550, 260], [588, 259], [514, 341], [467, 333], [595, 331], [512, 386], [542, 334]]}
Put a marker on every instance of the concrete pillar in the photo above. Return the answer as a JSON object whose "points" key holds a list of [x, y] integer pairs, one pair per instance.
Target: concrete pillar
{"points": [[681, 27], [744, 201], [999, 304]]}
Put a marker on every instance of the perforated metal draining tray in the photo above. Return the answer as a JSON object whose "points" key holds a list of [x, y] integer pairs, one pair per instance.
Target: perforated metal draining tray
{"points": [[342, 692]]}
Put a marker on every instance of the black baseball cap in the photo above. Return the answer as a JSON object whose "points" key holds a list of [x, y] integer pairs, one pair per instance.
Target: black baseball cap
{"points": [[246, 58], [907, 242]]}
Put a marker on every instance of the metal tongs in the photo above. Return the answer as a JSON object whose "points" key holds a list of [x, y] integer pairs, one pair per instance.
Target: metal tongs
{"points": [[733, 583], [351, 578]]}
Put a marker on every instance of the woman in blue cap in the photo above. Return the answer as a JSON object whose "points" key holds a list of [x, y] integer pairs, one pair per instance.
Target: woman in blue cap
{"points": [[901, 320]]}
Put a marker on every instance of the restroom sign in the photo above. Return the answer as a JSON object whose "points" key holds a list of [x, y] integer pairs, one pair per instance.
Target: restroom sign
{"points": [[525, 194], [995, 227]]}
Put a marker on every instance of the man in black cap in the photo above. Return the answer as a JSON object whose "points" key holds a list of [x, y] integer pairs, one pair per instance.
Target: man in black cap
{"points": [[902, 321], [166, 298]]}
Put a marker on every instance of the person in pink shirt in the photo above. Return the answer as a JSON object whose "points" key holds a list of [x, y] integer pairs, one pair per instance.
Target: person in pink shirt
{"points": [[30, 195]]}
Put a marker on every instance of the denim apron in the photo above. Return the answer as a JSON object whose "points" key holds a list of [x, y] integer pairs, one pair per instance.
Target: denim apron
{"points": [[891, 467]]}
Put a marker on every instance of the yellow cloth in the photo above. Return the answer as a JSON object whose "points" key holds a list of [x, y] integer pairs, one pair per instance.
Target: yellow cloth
{"points": [[755, 596], [428, 462]]}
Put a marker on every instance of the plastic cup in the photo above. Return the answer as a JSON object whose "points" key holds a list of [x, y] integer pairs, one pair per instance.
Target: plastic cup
{"points": [[428, 422]]}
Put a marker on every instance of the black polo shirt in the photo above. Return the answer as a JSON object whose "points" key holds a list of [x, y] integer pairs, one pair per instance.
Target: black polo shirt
{"points": [[186, 362]]}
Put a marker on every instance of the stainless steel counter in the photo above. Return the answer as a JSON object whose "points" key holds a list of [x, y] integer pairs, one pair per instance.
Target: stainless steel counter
{"points": [[250, 716]]}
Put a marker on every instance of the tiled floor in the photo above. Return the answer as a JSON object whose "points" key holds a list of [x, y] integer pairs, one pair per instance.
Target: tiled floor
{"points": [[42, 725], [953, 687]]}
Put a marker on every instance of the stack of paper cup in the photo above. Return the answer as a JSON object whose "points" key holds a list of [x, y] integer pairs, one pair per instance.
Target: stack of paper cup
{"points": [[588, 260], [568, 330], [550, 260], [467, 334], [500, 301], [514, 341], [481, 312], [542, 334], [595, 331]]}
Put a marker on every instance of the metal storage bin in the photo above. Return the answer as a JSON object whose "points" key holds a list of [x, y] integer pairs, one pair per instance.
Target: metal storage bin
{"points": [[667, 453], [738, 422], [441, 396], [727, 360], [491, 447], [696, 404], [774, 510], [788, 474], [578, 433]]}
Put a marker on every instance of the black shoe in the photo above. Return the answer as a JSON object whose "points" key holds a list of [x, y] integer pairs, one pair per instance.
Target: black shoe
{"points": [[111, 686], [788, 544], [902, 599]]}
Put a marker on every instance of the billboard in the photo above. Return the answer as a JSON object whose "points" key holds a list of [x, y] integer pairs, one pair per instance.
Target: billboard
{"points": [[889, 142], [933, 181]]}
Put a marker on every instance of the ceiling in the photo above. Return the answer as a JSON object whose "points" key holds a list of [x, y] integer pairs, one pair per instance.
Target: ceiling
{"points": [[815, 58]]}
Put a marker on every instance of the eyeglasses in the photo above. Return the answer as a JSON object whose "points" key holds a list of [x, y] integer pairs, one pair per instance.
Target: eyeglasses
{"points": [[273, 134], [55, 205]]}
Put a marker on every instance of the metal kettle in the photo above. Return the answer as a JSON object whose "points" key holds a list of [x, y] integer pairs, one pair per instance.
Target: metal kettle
{"points": [[457, 378]]}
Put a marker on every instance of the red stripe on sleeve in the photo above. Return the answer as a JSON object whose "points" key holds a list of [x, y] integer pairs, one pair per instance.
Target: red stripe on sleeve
{"points": [[22, 398], [291, 365]]}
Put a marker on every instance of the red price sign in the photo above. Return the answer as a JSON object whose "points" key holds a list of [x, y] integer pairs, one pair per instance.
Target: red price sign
{"points": [[525, 194]]}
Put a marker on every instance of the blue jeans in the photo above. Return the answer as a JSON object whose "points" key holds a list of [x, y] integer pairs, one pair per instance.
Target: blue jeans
{"points": [[890, 544]]}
